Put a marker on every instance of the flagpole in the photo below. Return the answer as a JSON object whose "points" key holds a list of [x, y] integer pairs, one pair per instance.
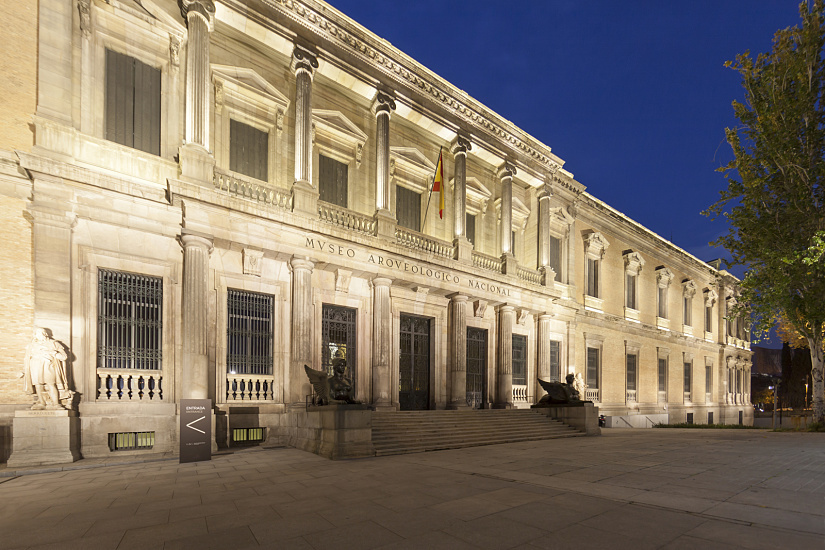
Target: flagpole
{"points": [[427, 211]]}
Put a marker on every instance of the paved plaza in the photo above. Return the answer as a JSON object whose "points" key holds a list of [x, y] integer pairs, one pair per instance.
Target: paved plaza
{"points": [[627, 489]]}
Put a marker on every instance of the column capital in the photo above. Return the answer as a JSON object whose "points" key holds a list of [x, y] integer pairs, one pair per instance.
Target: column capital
{"points": [[506, 170], [458, 297], [552, 168], [381, 281], [383, 103], [190, 239], [301, 262], [506, 308], [545, 192], [460, 145], [546, 316], [303, 60], [204, 8]]}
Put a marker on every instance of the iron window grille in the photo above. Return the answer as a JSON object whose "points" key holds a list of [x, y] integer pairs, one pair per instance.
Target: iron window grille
{"points": [[131, 441], [130, 312], [248, 436], [338, 337], [249, 333]]}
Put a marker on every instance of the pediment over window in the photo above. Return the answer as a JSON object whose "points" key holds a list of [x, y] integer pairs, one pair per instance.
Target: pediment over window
{"points": [[245, 85], [633, 262], [410, 168], [688, 288], [520, 213], [710, 297], [478, 196], [663, 276], [595, 244], [339, 133], [560, 219]]}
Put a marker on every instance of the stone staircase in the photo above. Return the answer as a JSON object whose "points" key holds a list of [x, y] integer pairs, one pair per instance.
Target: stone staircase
{"points": [[417, 431]]}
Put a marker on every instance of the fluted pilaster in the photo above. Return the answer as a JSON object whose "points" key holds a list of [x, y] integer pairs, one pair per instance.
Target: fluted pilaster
{"points": [[195, 316], [506, 173], [544, 226], [305, 197], [544, 364], [504, 366], [459, 149], [383, 106], [382, 343], [199, 15], [302, 318], [457, 359]]}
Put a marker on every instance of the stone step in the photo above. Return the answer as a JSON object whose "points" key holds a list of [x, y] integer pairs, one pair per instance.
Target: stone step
{"points": [[381, 450]]}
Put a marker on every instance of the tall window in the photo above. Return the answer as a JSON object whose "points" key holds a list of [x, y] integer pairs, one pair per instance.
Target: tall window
{"points": [[513, 243], [249, 330], [708, 378], [662, 299], [593, 368], [630, 291], [592, 288], [248, 150], [338, 337], [470, 227], [129, 334], [632, 360], [408, 208], [688, 376], [687, 305], [708, 318], [555, 256], [332, 181], [662, 374], [519, 360], [132, 103], [555, 361]]}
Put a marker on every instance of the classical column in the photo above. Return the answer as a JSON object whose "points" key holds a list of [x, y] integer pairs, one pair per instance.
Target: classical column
{"points": [[304, 195], [196, 161], [195, 316], [381, 343], [506, 173], [457, 345], [302, 317], [544, 347], [504, 367], [544, 195], [463, 247], [383, 106]]}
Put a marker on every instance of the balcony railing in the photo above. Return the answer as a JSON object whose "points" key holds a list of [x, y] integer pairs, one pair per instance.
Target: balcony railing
{"points": [[529, 275], [129, 385], [250, 387], [662, 397], [520, 396], [417, 241], [631, 396], [347, 219], [483, 261], [593, 394], [238, 186], [708, 397], [687, 396]]}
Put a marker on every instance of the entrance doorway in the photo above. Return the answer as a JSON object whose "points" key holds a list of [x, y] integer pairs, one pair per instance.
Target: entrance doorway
{"points": [[414, 363], [476, 367]]}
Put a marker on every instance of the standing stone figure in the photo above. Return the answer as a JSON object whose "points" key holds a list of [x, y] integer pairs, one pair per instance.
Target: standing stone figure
{"points": [[579, 384], [44, 372]]}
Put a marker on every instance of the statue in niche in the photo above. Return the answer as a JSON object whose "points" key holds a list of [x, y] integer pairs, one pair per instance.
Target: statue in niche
{"points": [[335, 389], [558, 393], [44, 372]]}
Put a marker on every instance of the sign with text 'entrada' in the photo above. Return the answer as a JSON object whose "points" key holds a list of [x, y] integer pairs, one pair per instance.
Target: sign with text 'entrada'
{"points": [[195, 430]]}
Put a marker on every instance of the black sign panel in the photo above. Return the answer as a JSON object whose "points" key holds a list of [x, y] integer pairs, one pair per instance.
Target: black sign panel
{"points": [[195, 430]]}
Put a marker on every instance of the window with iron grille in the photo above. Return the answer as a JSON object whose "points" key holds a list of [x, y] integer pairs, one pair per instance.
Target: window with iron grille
{"points": [[632, 360], [519, 360], [248, 150], [132, 103], [555, 362], [408, 208], [470, 227], [593, 368], [333, 181], [129, 324], [131, 441], [662, 374], [338, 337], [249, 332]]}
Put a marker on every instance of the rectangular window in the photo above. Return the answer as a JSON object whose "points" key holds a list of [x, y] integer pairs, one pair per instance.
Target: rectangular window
{"points": [[710, 417], [338, 337], [630, 284], [593, 368], [662, 302], [131, 441], [129, 330], [662, 374], [470, 228], [513, 243], [249, 330], [631, 371], [688, 376], [687, 306], [408, 208], [708, 318], [519, 360], [248, 150], [708, 379], [555, 361], [592, 277], [555, 256], [332, 181], [132, 103]]}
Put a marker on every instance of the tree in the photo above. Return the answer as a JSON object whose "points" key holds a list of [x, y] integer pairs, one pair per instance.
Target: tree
{"points": [[776, 187]]}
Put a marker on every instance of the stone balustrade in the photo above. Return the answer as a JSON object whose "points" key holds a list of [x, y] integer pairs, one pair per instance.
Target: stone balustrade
{"points": [[342, 217], [593, 394], [249, 387], [631, 396], [529, 275], [419, 241], [519, 395], [131, 385], [483, 261], [232, 184]]}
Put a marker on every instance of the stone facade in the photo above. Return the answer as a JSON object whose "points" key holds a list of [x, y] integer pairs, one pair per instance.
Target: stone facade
{"points": [[526, 272]]}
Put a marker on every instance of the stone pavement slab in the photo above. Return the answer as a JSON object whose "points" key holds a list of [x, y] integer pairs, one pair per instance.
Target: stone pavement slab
{"points": [[637, 489]]}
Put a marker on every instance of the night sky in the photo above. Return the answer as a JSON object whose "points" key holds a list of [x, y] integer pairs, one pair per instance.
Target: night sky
{"points": [[632, 95]]}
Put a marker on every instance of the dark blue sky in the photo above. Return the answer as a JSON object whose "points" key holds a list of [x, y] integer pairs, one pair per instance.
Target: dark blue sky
{"points": [[633, 95]]}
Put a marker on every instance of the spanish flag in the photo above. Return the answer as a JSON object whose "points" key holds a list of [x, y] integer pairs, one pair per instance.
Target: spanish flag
{"points": [[438, 186]]}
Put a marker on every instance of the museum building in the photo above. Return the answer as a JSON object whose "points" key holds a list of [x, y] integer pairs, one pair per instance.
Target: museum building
{"points": [[221, 193]]}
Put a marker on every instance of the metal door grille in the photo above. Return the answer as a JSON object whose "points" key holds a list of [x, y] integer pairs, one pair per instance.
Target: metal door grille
{"points": [[338, 337], [248, 333], [519, 360], [414, 363], [476, 366], [129, 332]]}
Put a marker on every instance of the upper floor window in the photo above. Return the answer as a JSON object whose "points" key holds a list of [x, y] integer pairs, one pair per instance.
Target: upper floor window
{"points": [[595, 247], [592, 287], [132, 103], [555, 256], [708, 378], [249, 333], [663, 278], [333, 181], [129, 330], [408, 208], [519, 360], [709, 299], [688, 375], [633, 264], [248, 150], [688, 290], [470, 227]]}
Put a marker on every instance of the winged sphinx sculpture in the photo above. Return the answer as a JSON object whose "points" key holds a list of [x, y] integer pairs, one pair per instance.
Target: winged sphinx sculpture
{"points": [[558, 393], [332, 390]]}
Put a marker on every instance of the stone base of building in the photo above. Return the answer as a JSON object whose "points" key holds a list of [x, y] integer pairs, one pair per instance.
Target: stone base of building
{"points": [[334, 431], [45, 437], [583, 415]]}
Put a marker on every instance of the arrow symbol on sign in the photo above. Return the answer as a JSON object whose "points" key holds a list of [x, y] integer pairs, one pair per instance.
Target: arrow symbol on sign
{"points": [[194, 428]]}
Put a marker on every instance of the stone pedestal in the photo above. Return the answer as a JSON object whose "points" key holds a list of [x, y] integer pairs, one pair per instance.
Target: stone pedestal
{"points": [[385, 225], [305, 199], [509, 265], [45, 437], [197, 165], [582, 415], [335, 431], [463, 250]]}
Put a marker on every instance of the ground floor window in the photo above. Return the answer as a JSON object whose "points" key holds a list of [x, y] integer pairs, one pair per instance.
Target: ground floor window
{"points": [[593, 368], [338, 337], [688, 376], [555, 361], [519, 360], [631, 361], [662, 374], [249, 333]]}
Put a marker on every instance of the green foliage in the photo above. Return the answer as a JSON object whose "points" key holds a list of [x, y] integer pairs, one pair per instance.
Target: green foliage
{"points": [[775, 199], [709, 426]]}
